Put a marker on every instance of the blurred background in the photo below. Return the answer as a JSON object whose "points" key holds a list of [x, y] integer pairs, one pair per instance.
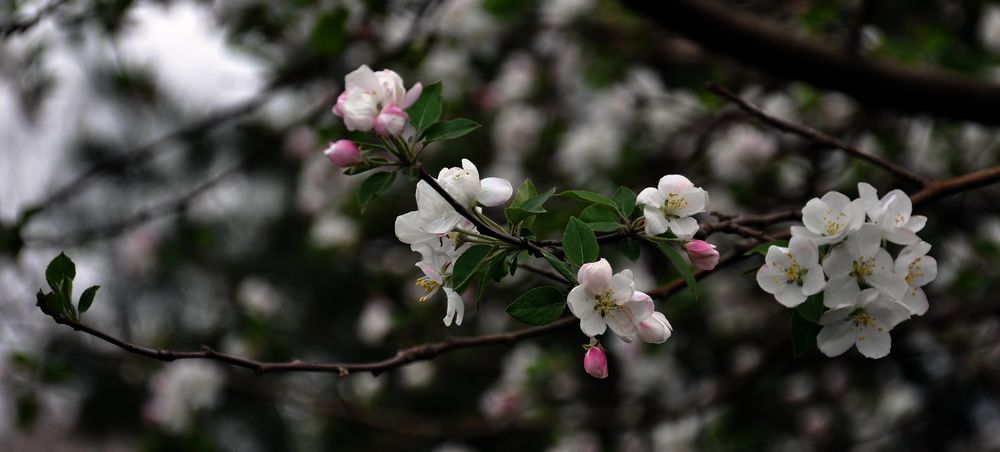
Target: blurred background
{"points": [[174, 151]]}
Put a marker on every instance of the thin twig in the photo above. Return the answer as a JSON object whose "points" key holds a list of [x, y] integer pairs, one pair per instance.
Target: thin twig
{"points": [[818, 137], [405, 356], [19, 25], [966, 182]]}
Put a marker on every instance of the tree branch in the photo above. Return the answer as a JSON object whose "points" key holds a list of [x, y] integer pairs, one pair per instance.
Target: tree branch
{"points": [[405, 356], [20, 25], [817, 137], [774, 49]]}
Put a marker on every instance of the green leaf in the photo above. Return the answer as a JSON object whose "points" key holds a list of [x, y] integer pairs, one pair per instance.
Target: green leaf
{"points": [[375, 185], [624, 199], [763, 247], [467, 264], [630, 248], [529, 207], [812, 308], [579, 242], [560, 267], [367, 165], [61, 267], [427, 109], [600, 218], [449, 130], [589, 196], [538, 306], [680, 264], [87, 298], [803, 334], [525, 192]]}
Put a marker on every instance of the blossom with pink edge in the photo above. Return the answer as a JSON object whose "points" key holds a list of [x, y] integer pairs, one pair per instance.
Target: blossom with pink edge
{"points": [[391, 121], [367, 94], [595, 362], [603, 300], [344, 153], [703, 254]]}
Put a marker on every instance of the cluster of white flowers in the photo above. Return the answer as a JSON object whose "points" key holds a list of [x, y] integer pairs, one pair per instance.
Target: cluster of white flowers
{"points": [[428, 229], [866, 290]]}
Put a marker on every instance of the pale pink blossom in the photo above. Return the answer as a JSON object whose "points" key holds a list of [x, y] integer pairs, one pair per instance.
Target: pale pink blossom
{"points": [[391, 121]]}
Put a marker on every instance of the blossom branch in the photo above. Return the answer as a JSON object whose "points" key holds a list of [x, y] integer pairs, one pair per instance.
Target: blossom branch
{"points": [[422, 352], [818, 137]]}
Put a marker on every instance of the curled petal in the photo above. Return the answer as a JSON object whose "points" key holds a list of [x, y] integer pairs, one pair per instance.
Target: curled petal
{"points": [[494, 191]]}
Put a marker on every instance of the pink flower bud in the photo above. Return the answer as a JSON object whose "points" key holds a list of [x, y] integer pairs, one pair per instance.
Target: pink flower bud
{"points": [[344, 153], [391, 121], [338, 109], [595, 362], [702, 254]]}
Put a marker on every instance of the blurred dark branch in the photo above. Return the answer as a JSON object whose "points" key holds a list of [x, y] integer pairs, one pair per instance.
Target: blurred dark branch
{"points": [[420, 352], [14, 25], [817, 137], [777, 50], [174, 206], [947, 187]]}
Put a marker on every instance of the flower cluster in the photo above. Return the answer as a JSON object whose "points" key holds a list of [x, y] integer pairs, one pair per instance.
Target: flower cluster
{"points": [[866, 291], [429, 230]]}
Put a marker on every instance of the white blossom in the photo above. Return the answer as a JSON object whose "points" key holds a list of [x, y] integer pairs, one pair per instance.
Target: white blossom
{"points": [[670, 205], [860, 260], [792, 274], [918, 269], [893, 213], [829, 219], [437, 262], [864, 322]]}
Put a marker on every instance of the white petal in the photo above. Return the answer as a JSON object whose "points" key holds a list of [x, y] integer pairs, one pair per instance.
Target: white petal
{"points": [[697, 200], [799, 231], [834, 340], [916, 301], [813, 281], [873, 343], [841, 292], [639, 307], [869, 199], [684, 228], [835, 315], [838, 263], [777, 257], [791, 297], [864, 242], [364, 78], [580, 304], [772, 280], [901, 236], [455, 309], [916, 223], [595, 277], [622, 287], [655, 329], [410, 228], [836, 200], [593, 325], [673, 183], [804, 250], [494, 191], [889, 283], [471, 168], [650, 197], [619, 322], [656, 222], [812, 216]]}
